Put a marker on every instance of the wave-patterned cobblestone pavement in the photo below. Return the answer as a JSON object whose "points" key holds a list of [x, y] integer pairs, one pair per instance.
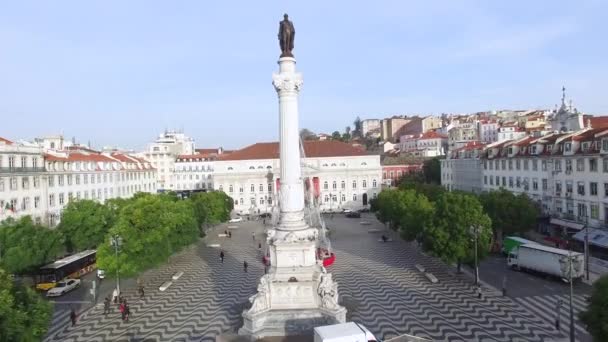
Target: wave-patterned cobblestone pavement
{"points": [[378, 284]]}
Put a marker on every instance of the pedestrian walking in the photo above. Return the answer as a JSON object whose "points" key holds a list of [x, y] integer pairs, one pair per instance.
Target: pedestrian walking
{"points": [[127, 312], [106, 305], [384, 238], [115, 296], [478, 291], [245, 265], [226, 232], [253, 235], [260, 246], [230, 235], [264, 221], [141, 292], [122, 310], [222, 256], [73, 316]]}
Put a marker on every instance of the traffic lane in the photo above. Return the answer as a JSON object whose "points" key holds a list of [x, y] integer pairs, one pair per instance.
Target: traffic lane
{"points": [[494, 269]]}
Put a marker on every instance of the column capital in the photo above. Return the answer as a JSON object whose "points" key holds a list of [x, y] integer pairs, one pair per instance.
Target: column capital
{"points": [[287, 82]]}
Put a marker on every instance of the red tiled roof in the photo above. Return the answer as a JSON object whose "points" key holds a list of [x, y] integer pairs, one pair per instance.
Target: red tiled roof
{"points": [[6, 141], [76, 156], [432, 135], [524, 142], [599, 121], [312, 148], [206, 150]]}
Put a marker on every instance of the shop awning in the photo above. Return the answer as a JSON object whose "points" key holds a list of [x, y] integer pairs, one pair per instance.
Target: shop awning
{"points": [[597, 237], [568, 224]]}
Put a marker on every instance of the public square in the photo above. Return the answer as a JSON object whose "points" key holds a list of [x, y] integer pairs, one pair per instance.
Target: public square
{"points": [[378, 282]]}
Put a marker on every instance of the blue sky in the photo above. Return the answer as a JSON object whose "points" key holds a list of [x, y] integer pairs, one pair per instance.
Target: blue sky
{"points": [[119, 72]]}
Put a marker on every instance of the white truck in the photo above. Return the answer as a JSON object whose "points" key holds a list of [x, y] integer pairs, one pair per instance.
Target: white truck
{"points": [[344, 332], [547, 260]]}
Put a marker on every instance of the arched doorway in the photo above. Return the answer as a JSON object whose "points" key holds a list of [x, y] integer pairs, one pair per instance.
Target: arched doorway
{"points": [[364, 199]]}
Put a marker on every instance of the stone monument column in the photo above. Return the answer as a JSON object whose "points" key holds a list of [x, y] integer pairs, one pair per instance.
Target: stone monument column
{"points": [[297, 294], [287, 84]]}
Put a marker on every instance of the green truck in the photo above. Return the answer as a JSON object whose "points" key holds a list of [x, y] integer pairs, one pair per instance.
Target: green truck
{"points": [[511, 242]]}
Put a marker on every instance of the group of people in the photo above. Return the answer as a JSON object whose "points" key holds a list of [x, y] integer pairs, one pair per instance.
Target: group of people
{"points": [[228, 234]]}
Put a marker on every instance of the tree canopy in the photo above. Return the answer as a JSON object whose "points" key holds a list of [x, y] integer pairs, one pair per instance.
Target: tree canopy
{"points": [[510, 214], [595, 317], [24, 315], [24, 245], [456, 218], [151, 229], [306, 134], [85, 223], [358, 128], [211, 207], [431, 169]]}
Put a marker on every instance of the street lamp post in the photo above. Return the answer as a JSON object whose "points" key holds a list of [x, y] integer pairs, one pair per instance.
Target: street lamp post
{"points": [[571, 292], [475, 231], [116, 241], [587, 248]]}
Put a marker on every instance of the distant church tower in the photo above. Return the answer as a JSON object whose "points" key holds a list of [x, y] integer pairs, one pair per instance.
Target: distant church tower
{"points": [[566, 118]]}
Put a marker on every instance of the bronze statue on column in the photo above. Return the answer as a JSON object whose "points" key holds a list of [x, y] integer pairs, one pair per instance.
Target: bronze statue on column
{"points": [[286, 35]]}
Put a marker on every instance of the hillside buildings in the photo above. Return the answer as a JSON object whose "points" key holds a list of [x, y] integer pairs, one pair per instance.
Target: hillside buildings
{"points": [[565, 171]]}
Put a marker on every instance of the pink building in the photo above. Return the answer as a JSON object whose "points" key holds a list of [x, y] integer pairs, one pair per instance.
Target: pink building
{"points": [[391, 174]]}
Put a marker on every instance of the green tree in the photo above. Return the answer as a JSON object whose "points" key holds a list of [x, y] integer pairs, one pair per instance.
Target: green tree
{"points": [[431, 191], [415, 214], [450, 237], [595, 317], [432, 171], [24, 245], [151, 228], [510, 214], [387, 207], [358, 130], [306, 134], [211, 207], [24, 315], [336, 135], [85, 223]]}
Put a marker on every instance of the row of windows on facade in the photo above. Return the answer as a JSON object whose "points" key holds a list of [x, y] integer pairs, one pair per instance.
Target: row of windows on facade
{"points": [[519, 182], [71, 179], [94, 194], [263, 200], [582, 213], [191, 177], [194, 186], [325, 186], [334, 198], [200, 168], [12, 162], [557, 164], [260, 167]]}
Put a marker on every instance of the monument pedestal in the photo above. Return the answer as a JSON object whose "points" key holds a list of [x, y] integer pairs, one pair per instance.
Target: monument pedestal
{"points": [[297, 294]]}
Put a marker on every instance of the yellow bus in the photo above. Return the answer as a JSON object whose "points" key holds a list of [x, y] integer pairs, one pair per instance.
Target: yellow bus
{"points": [[73, 266]]}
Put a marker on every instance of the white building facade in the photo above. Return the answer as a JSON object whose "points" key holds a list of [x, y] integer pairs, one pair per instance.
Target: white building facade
{"points": [[163, 153], [194, 172], [337, 176], [429, 144], [462, 169], [41, 184]]}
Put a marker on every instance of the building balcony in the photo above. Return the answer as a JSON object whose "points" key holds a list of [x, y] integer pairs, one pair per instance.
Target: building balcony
{"points": [[21, 169]]}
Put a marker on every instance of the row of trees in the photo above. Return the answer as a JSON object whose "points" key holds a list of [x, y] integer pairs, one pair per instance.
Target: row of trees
{"points": [[443, 225], [146, 222], [445, 222], [152, 228]]}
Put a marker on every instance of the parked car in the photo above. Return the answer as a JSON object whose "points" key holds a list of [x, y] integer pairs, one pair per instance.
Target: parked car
{"points": [[63, 287], [364, 210], [101, 274], [353, 214], [236, 219], [265, 215], [346, 211]]}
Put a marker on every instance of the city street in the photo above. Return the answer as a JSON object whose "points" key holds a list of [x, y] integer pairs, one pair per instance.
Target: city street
{"points": [[378, 282]]}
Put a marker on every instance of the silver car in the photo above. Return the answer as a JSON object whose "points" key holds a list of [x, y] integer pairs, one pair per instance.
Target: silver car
{"points": [[63, 287]]}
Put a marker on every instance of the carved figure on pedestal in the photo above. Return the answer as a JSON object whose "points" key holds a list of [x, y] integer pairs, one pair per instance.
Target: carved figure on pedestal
{"points": [[260, 301], [328, 291]]}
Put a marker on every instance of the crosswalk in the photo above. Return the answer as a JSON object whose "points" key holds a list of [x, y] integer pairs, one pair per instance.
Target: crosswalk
{"points": [[546, 308]]}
